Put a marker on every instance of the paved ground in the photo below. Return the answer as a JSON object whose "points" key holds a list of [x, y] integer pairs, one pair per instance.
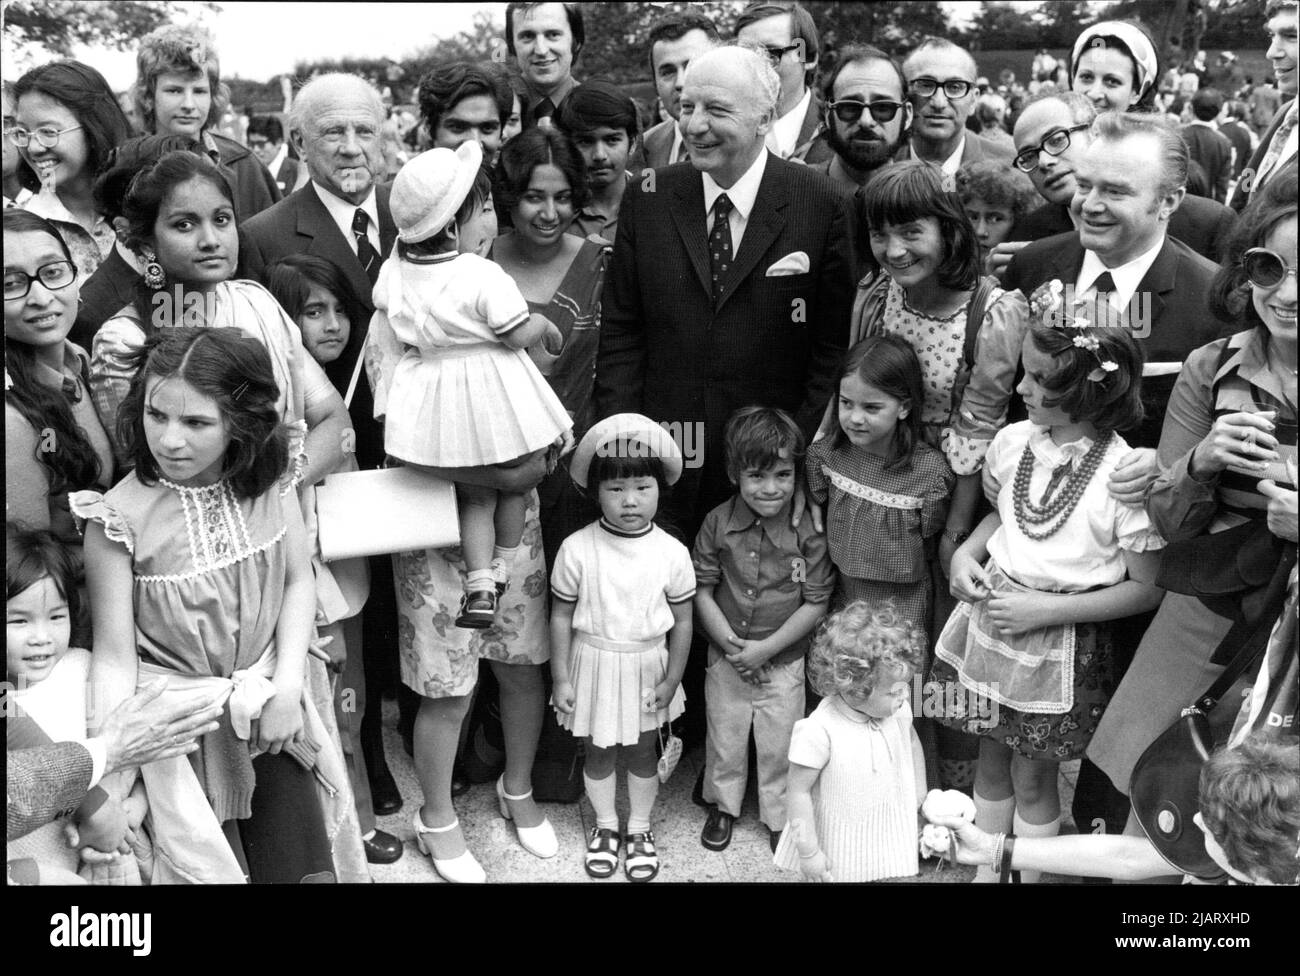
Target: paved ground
{"points": [[676, 824]]}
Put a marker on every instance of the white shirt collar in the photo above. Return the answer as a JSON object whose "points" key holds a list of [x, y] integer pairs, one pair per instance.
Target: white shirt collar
{"points": [[742, 193], [280, 157], [343, 212], [952, 164], [1127, 276], [675, 153], [783, 137]]}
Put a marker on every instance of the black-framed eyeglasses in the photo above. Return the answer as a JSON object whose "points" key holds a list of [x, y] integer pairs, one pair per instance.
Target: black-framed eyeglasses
{"points": [[775, 54], [1265, 268], [953, 88], [55, 275], [46, 136], [1054, 143], [849, 110]]}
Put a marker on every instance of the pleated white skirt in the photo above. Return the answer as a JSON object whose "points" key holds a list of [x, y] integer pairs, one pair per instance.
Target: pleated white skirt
{"points": [[611, 683]]}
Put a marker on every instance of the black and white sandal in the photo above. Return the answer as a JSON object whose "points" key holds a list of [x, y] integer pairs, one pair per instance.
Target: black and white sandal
{"points": [[642, 861], [601, 860]]}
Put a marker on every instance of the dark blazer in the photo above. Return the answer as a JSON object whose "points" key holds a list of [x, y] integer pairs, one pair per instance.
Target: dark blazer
{"points": [[1239, 136], [1201, 224], [286, 177], [665, 351], [977, 148], [1245, 185], [809, 147], [300, 224], [657, 143], [254, 188], [105, 293], [42, 782], [1178, 284], [1213, 151]]}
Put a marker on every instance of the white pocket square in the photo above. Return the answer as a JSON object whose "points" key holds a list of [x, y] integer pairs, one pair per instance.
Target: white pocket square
{"points": [[792, 264]]}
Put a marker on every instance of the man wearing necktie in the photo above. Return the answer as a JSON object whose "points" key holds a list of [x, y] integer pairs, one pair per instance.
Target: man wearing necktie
{"points": [[545, 39], [675, 39], [342, 215], [1278, 145]]}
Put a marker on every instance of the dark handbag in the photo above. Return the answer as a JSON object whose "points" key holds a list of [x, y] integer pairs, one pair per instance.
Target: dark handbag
{"points": [[1165, 785]]}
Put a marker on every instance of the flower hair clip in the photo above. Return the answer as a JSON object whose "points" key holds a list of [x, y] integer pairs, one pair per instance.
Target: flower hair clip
{"points": [[1053, 307]]}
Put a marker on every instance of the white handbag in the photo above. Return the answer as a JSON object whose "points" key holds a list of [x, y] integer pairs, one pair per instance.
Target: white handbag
{"points": [[370, 513]]}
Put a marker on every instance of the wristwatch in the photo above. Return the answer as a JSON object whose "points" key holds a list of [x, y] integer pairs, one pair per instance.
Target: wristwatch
{"points": [[956, 537]]}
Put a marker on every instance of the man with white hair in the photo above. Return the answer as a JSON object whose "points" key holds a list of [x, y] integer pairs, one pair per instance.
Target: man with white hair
{"points": [[341, 214], [731, 281]]}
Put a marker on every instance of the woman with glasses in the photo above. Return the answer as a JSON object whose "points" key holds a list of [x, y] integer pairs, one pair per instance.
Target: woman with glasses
{"points": [[54, 442], [1114, 64], [1226, 493], [66, 122]]}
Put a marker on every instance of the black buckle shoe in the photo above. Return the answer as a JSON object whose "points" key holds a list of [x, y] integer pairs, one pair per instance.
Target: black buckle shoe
{"points": [[477, 609]]}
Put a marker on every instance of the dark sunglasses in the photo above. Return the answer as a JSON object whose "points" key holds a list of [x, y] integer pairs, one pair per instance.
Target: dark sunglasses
{"points": [[1265, 268], [849, 110]]}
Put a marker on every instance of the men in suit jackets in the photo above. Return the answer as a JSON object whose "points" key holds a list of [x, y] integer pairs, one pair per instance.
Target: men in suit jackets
{"points": [[1278, 144], [789, 35], [1206, 145], [1129, 182], [675, 40], [941, 86], [335, 126], [266, 139], [1201, 224], [688, 352]]}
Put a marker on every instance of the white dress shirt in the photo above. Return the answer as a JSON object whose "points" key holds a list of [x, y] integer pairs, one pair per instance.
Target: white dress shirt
{"points": [[343, 212], [742, 195], [949, 166], [1126, 276], [783, 136]]}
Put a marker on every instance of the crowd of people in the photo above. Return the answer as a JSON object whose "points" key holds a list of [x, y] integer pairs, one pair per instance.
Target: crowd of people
{"points": [[931, 435]]}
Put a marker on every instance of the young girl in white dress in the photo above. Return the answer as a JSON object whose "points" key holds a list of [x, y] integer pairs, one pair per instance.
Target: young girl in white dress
{"points": [[857, 775], [464, 392], [621, 586], [1044, 572]]}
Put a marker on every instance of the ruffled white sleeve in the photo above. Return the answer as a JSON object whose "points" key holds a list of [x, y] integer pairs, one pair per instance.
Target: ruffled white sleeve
{"points": [[91, 506]]}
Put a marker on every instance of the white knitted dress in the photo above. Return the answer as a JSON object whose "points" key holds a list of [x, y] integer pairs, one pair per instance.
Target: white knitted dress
{"points": [[865, 799]]}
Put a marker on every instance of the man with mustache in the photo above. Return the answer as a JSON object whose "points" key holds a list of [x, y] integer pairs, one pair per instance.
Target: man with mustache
{"points": [[941, 86], [545, 39], [867, 116]]}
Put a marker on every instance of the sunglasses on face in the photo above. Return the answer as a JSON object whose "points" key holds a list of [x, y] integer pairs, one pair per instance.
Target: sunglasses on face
{"points": [[47, 137], [55, 275], [1265, 268], [1054, 143], [953, 88], [775, 54], [849, 110]]}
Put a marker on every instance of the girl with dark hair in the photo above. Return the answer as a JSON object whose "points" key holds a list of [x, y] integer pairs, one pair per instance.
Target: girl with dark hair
{"points": [[199, 569], [181, 221], [1227, 484], [68, 121], [1115, 64], [887, 488], [1029, 649], [54, 442]]}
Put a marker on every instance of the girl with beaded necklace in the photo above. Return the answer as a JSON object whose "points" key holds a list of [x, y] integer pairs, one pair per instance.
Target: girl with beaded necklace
{"points": [[1043, 573]]}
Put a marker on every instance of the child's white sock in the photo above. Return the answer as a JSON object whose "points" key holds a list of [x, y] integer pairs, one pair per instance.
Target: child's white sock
{"points": [[479, 579], [641, 793], [992, 817], [601, 794], [1025, 829], [502, 560]]}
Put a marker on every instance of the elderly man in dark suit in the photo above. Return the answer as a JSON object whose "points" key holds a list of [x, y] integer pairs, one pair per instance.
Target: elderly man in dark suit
{"points": [[675, 39], [341, 214], [731, 281]]}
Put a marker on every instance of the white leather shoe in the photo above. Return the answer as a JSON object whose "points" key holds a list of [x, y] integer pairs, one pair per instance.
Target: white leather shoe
{"points": [[540, 841], [463, 869]]}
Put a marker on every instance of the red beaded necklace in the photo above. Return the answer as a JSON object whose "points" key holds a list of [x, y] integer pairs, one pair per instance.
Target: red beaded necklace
{"points": [[1058, 509]]}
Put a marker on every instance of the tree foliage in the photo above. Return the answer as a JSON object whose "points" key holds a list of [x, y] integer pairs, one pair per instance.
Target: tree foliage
{"points": [[58, 25]]}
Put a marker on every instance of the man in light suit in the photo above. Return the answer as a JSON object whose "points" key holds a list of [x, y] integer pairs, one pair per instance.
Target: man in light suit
{"points": [[1278, 144], [341, 214], [789, 35], [674, 40], [941, 86], [687, 350]]}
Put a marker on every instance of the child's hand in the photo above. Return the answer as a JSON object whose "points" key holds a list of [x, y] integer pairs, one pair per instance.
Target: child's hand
{"points": [[664, 692], [563, 696], [335, 658], [815, 868], [103, 830], [1019, 613], [280, 722], [967, 580]]}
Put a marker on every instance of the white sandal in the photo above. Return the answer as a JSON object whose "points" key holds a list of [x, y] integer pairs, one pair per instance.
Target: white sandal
{"points": [[540, 841], [462, 869]]}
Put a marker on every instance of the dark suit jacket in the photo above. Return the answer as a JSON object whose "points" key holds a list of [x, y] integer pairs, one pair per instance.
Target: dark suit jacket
{"points": [[42, 782], [1201, 224], [1178, 284], [300, 224], [105, 293], [286, 177], [665, 351], [657, 143], [255, 191], [976, 148], [1245, 185], [808, 147], [1214, 152], [1239, 136]]}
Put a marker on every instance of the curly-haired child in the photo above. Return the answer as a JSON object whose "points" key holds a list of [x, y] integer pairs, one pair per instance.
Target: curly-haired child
{"points": [[857, 776]]}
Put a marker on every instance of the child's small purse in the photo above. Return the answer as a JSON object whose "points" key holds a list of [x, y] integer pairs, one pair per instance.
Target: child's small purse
{"points": [[670, 753]]}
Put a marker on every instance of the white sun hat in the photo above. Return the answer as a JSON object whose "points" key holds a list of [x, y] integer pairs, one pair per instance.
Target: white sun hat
{"points": [[430, 189]]}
